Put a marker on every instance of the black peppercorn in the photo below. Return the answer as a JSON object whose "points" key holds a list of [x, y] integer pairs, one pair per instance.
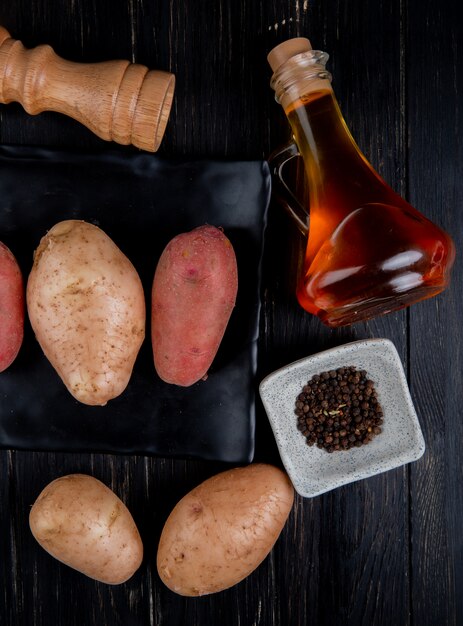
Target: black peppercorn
{"points": [[339, 409]]}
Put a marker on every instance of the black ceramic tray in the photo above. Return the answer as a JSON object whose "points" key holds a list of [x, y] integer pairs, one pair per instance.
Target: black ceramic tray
{"points": [[141, 201]]}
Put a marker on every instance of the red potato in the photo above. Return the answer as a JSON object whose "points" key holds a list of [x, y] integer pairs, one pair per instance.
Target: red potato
{"points": [[194, 292], [11, 308]]}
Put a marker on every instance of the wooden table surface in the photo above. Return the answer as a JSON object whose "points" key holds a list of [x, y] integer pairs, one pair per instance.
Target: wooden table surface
{"points": [[386, 550]]}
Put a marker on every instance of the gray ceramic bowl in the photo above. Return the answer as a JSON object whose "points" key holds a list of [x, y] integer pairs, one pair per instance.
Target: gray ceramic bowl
{"points": [[314, 471]]}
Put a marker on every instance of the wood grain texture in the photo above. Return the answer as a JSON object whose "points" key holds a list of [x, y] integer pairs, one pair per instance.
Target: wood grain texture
{"points": [[383, 551], [435, 90]]}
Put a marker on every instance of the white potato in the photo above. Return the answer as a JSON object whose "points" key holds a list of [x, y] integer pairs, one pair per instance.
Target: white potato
{"points": [[86, 306], [223, 529], [82, 523]]}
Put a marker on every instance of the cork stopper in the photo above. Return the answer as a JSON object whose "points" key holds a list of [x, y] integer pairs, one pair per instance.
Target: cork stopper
{"points": [[284, 51]]}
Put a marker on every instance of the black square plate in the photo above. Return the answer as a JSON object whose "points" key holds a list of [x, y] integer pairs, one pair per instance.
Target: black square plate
{"points": [[141, 201]]}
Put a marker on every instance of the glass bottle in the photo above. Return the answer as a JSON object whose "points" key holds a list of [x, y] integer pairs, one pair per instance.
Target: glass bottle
{"points": [[369, 252]]}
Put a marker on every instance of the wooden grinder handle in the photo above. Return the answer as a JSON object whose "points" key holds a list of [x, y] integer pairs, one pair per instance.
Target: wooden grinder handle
{"points": [[119, 101]]}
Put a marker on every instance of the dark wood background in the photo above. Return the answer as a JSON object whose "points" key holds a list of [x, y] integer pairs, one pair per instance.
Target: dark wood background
{"points": [[387, 550]]}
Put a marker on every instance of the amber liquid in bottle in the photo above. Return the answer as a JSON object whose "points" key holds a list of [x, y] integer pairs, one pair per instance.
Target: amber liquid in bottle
{"points": [[368, 252]]}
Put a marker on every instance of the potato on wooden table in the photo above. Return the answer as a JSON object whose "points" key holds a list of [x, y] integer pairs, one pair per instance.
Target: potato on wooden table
{"points": [[223, 529], [193, 296], [11, 307], [82, 523], [87, 307]]}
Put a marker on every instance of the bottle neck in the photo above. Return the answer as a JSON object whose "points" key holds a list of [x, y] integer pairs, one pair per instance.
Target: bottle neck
{"points": [[303, 87], [299, 76]]}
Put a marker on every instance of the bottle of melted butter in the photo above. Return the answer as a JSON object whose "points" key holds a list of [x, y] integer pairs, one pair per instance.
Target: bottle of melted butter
{"points": [[368, 251]]}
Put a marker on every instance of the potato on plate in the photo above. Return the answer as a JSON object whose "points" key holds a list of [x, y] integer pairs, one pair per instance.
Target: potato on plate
{"points": [[223, 529], [193, 296], [87, 308], [11, 307], [82, 523]]}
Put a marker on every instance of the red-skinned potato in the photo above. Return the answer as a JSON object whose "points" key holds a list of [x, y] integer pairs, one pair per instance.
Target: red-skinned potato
{"points": [[87, 308], [11, 307], [194, 292], [82, 523], [223, 529]]}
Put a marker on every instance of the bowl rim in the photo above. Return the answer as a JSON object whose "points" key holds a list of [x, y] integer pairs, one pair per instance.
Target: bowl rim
{"points": [[305, 359]]}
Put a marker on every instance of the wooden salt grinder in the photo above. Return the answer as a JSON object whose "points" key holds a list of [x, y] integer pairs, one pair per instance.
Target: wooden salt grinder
{"points": [[117, 100]]}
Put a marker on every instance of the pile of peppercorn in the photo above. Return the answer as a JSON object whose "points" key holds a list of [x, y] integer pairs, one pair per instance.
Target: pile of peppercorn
{"points": [[339, 409]]}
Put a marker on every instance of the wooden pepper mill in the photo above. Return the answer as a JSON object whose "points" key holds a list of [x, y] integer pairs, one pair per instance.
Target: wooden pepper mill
{"points": [[117, 100]]}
